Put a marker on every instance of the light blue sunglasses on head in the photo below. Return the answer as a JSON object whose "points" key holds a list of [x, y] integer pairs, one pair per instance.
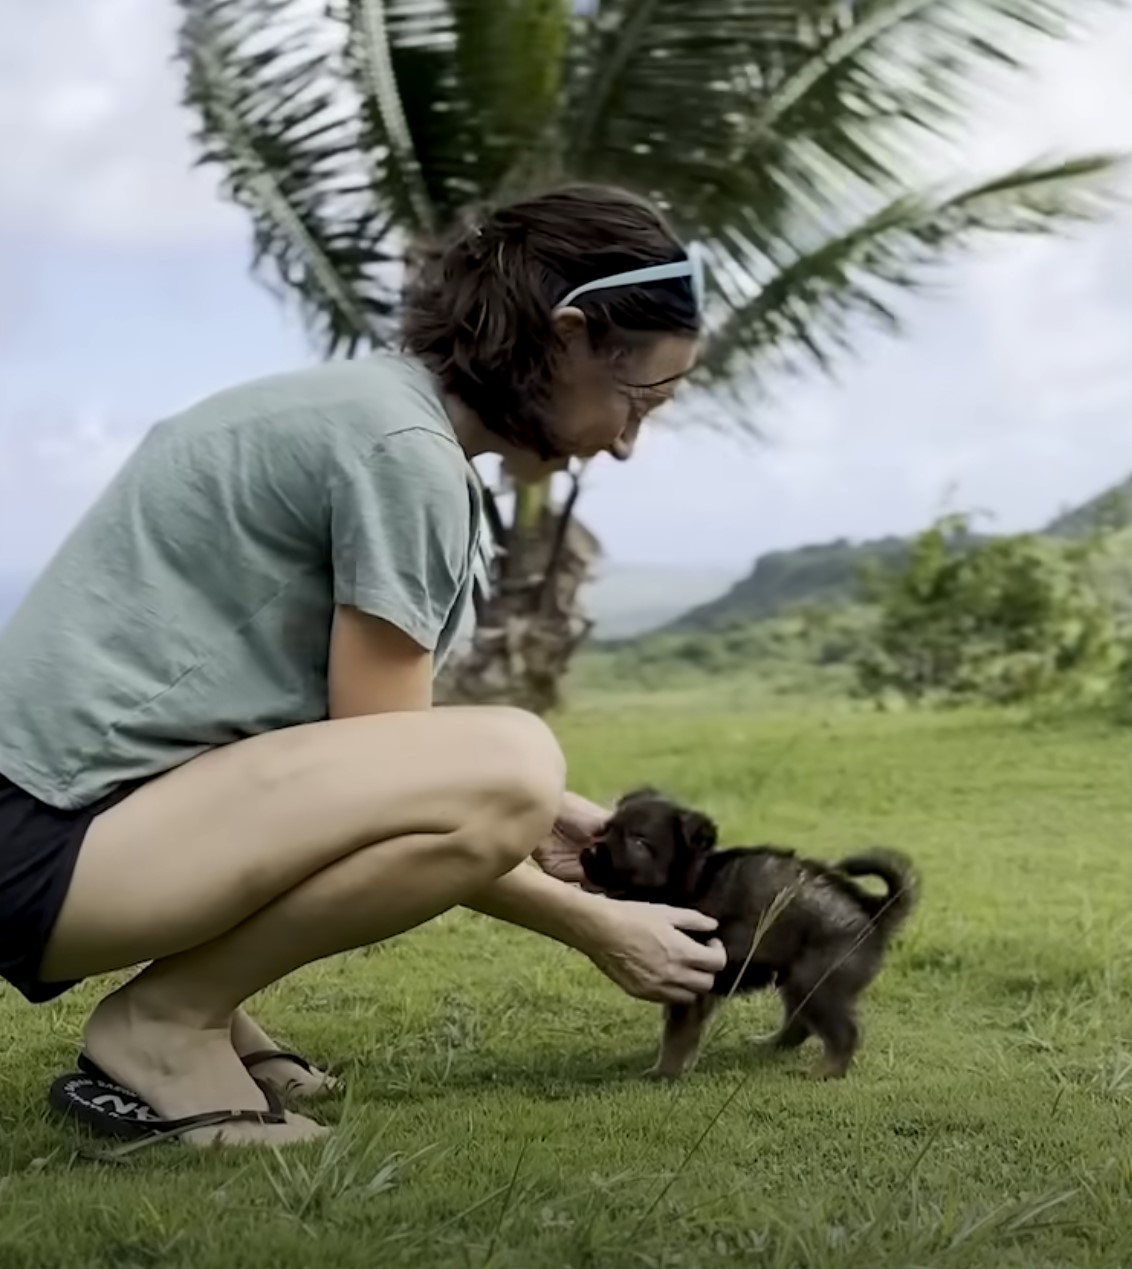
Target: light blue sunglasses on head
{"points": [[691, 267]]}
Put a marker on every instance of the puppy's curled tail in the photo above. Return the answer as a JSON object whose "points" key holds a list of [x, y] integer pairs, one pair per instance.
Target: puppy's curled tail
{"points": [[902, 886]]}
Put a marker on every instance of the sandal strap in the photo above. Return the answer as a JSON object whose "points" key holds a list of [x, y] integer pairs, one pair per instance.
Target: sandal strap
{"points": [[277, 1055], [171, 1129], [89, 1067], [214, 1118], [272, 1116]]}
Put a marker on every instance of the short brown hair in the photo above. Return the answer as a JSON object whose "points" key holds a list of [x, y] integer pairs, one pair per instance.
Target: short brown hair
{"points": [[479, 314]]}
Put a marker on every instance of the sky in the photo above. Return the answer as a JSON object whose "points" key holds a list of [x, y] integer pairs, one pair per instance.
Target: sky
{"points": [[125, 294]]}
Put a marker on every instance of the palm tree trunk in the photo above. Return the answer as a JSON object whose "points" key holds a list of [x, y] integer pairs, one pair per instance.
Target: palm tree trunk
{"points": [[533, 621]]}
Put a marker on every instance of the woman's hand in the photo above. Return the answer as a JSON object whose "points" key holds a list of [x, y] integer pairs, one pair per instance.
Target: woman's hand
{"points": [[578, 823], [642, 947]]}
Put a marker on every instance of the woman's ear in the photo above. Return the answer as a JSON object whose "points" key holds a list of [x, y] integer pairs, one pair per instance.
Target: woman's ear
{"points": [[569, 323]]}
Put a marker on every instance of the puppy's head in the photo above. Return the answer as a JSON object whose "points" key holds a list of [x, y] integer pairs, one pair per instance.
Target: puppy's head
{"points": [[647, 847]]}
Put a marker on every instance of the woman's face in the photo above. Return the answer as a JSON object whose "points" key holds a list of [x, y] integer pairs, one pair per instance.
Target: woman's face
{"points": [[600, 401]]}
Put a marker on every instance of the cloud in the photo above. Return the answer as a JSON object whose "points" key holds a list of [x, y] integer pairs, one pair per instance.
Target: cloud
{"points": [[95, 143], [102, 343], [1074, 94]]}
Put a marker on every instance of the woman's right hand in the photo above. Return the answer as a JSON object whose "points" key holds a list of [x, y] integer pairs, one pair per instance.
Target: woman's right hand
{"points": [[642, 947]]}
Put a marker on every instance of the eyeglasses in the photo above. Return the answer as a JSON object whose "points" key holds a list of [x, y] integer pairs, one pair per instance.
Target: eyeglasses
{"points": [[691, 267]]}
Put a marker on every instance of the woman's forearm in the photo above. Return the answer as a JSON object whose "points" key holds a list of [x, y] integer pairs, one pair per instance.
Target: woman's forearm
{"points": [[527, 897], [642, 947]]}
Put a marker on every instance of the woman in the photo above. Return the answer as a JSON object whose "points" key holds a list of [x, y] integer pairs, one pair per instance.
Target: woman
{"points": [[217, 750]]}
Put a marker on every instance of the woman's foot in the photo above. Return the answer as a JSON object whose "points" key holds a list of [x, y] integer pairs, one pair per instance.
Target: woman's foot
{"points": [[182, 1070], [288, 1078]]}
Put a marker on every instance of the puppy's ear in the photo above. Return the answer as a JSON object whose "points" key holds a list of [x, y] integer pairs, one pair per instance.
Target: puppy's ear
{"points": [[699, 830], [646, 793]]}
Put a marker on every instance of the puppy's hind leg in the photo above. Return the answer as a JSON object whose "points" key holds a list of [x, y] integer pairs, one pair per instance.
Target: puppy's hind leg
{"points": [[794, 1031], [826, 1004], [683, 1033], [833, 1019]]}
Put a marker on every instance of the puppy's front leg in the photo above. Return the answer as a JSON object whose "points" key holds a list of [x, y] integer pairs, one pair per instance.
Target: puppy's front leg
{"points": [[683, 1031]]}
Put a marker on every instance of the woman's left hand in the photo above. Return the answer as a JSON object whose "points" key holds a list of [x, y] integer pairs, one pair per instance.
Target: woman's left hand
{"points": [[578, 823]]}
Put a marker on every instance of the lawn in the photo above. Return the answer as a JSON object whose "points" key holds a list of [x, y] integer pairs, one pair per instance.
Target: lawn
{"points": [[496, 1115]]}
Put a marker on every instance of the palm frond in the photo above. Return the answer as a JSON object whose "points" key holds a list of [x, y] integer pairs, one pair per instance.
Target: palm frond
{"points": [[806, 313], [453, 94], [371, 58], [780, 133], [614, 51], [278, 119], [659, 87], [869, 84], [513, 65], [801, 111]]}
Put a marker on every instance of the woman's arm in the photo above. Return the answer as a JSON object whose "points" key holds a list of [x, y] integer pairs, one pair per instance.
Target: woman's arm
{"points": [[642, 947], [376, 668]]}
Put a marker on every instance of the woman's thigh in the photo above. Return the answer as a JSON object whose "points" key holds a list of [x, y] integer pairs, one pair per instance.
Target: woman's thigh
{"points": [[196, 851]]}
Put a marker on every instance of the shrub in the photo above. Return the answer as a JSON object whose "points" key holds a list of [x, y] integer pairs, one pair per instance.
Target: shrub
{"points": [[999, 620]]}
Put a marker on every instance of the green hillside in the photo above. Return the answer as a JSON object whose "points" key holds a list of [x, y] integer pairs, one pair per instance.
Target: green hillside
{"points": [[782, 580], [1111, 510], [831, 573]]}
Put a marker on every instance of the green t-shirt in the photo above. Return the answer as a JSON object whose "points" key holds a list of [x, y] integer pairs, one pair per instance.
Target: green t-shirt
{"points": [[192, 605]]}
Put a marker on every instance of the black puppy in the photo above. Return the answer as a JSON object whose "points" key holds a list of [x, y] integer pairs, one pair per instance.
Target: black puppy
{"points": [[800, 924]]}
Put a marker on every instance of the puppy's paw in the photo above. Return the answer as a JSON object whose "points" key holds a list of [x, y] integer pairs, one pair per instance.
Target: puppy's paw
{"points": [[662, 1073], [830, 1069], [785, 1040], [772, 1047]]}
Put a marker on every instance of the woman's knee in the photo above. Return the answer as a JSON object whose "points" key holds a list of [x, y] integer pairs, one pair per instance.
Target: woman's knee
{"points": [[524, 778]]}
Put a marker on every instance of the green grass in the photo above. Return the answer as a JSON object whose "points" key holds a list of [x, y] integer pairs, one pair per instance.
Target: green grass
{"points": [[496, 1115]]}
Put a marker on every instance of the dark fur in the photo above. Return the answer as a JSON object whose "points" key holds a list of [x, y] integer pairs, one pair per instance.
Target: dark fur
{"points": [[820, 948]]}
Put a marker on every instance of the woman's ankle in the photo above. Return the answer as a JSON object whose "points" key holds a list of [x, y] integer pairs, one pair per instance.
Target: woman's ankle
{"points": [[148, 998]]}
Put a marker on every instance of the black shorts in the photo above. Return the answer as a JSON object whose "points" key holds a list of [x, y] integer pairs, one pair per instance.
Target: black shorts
{"points": [[39, 845]]}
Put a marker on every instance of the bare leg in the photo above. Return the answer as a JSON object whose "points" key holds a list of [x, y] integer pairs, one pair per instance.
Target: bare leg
{"points": [[233, 870], [371, 895], [683, 1033]]}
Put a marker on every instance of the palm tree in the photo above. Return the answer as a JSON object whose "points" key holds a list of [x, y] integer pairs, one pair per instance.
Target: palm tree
{"points": [[787, 137]]}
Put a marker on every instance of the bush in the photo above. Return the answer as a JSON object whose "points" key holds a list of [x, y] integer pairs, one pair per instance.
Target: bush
{"points": [[998, 620], [1120, 694]]}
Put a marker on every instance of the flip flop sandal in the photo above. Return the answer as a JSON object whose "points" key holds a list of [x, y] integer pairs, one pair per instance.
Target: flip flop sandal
{"points": [[252, 1059], [108, 1109]]}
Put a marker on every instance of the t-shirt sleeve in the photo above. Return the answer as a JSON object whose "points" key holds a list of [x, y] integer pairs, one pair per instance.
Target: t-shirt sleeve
{"points": [[400, 532]]}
